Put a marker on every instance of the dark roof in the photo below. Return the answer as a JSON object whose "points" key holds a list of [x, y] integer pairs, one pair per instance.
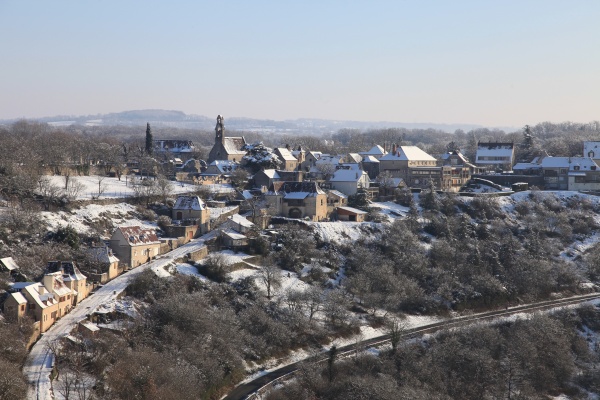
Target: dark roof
{"points": [[311, 188]]}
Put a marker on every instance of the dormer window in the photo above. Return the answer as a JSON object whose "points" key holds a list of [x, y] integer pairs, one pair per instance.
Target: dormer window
{"points": [[591, 154]]}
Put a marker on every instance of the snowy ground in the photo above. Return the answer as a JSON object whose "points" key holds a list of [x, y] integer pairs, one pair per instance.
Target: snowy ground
{"points": [[113, 187], [392, 210], [122, 214], [344, 232]]}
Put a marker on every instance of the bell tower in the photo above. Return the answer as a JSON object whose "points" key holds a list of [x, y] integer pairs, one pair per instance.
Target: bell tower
{"points": [[220, 129]]}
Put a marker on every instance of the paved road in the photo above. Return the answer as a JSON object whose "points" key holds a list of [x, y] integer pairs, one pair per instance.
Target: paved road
{"points": [[38, 365]]}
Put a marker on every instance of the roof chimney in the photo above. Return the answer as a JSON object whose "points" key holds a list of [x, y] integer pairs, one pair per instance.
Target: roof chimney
{"points": [[42, 290]]}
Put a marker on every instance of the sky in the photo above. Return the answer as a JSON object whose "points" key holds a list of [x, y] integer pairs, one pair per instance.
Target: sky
{"points": [[494, 63]]}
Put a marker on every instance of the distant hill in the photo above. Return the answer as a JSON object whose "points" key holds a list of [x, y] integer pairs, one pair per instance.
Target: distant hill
{"points": [[179, 119]]}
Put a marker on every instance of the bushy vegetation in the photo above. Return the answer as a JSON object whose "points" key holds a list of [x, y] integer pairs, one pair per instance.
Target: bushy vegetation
{"points": [[525, 359], [192, 341], [472, 254]]}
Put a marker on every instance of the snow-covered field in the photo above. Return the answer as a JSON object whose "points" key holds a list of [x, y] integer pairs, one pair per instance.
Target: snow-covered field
{"points": [[344, 232], [113, 187], [122, 214]]}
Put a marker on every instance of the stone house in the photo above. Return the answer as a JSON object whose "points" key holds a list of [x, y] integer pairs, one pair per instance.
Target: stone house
{"points": [[108, 263], [191, 210], [288, 161], [265, 178], [415, 167], [460, 169], [335, 199], [134, 245], [42, 305], [72, 278], [15, 306], [297, 200]]}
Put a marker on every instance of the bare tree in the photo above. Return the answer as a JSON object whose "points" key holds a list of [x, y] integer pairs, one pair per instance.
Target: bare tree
{"points": [[48, 190], [396, 329], [271, 277], [164, 187], [101, 185], [73, 189]]}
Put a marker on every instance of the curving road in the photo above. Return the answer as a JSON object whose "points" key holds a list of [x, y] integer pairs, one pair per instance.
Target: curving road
{"points": [[253, 389], [38, 365]]}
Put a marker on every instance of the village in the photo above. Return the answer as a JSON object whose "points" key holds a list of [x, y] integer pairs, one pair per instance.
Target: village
{"points": [[289, 227], [281, 184]]}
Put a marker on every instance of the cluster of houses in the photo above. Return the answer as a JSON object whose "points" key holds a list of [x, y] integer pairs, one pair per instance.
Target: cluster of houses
{"points": [[62, 288], [63, 285], [307, 185]]}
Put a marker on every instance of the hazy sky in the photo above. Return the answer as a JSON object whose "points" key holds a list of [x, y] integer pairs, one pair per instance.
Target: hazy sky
{"points": [[490, 62]]}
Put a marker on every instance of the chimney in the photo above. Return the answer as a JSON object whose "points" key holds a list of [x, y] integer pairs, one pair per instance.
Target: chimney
{"points": [[394, 149], [42, 290]]}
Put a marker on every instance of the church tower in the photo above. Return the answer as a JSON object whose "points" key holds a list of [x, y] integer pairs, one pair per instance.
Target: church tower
{"points": [[220, 130]]}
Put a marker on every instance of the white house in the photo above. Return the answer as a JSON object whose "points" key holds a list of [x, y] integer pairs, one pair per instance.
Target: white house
{"points": [[495, 155], [349, 178]]}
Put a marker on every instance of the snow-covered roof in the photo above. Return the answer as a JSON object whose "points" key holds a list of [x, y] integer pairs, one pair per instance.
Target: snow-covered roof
{"points": [[223, 166], [21, 285], [328, 159], [568, 162], [19, 298], [370, 159], [246, 194], [285, 154], [278, 188], [347, 175], [42, 300], [493, 149], [174, 145], [408, 153], [233, 234], [296, 195], [233, 145], [376, 150], [136, 235], [271, 173], [68, 269], [338, 194], [354, 157], [526, 166], [189, 203], [352, 210], [241, 220], [58, 284], [9, 263], [103, 254]]}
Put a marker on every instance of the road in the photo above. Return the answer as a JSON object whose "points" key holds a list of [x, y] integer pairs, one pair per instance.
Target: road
{"points": [[253, 389], [38, 365]]}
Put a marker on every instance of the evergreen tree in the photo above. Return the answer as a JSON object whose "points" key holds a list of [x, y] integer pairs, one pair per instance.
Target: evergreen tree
{"points": [[149, 141]]}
